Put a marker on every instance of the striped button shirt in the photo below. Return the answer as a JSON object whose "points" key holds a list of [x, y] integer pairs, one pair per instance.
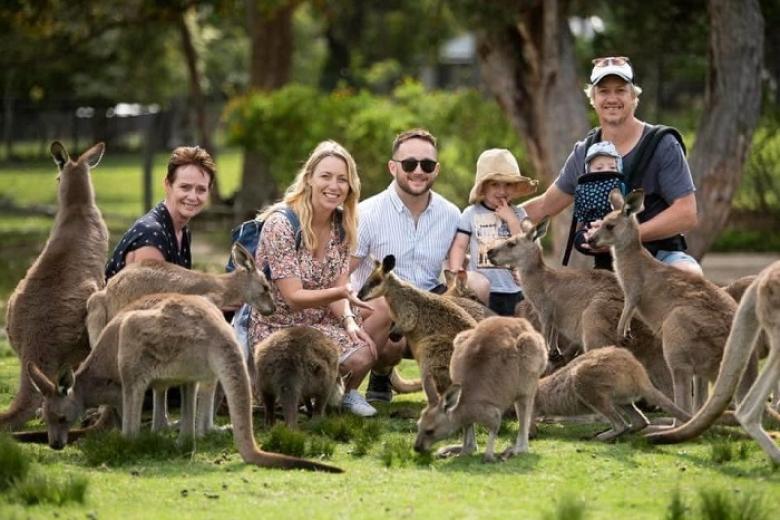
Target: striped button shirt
{"points": [[386, 226]]}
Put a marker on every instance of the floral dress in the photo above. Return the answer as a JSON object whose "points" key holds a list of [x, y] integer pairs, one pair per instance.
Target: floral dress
{"points": [[277, 249]]}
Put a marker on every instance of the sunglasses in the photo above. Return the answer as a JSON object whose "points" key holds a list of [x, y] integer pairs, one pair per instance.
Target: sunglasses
{"points": [[611, 60], [409, 165]]}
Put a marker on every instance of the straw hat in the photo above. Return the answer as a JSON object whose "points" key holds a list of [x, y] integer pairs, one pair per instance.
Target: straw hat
{"points": [[498, 164]]}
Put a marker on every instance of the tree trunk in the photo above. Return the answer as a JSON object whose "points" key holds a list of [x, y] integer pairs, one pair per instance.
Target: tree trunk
{"points": [[197, 99], [731, 111], [271, 34], [530, 68]]}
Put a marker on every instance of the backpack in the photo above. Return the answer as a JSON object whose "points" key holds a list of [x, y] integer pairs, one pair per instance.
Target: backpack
{"points": [[596, 187], [248, 235]]}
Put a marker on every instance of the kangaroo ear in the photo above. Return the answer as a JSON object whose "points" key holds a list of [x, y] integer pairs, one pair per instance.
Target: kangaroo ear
{"points": [[388, 263], [462, 337], [93, 155], [634, 202], [451, 398], [462, 278], [39, 380], [59, 154], [616, 199], [541, 229], [241, 257], [526, 225]]}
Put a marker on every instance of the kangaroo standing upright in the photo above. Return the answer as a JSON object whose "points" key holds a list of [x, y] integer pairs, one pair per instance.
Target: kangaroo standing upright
{"points": [[758, 312], [47, 310], [690, 314], [494, 365], [580, 305], [428, 321]]}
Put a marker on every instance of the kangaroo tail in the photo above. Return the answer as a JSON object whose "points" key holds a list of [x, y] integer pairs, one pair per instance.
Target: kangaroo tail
{"points": [[232, 374], [97, 316], [404, 386], [737, 353], [659, 399]]}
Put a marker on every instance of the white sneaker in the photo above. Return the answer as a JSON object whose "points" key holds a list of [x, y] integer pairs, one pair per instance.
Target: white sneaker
{"points": [[356, 403]]}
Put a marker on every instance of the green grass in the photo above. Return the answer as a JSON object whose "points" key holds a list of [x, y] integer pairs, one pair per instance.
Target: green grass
{"points": [[566, 475]]}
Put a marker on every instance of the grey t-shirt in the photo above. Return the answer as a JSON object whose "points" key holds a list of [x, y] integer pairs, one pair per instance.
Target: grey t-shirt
{"points": [[484, 228], [666, 178]]}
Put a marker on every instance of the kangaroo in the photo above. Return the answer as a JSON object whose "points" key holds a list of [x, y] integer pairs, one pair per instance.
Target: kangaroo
{"points": [[428, 321], [606, 381], [582, 306], [459, 292], [296, 364], [46, 311], [245, 284], [496, 364], [96, 383], [184, 339], [690, 314], [758, 311]]}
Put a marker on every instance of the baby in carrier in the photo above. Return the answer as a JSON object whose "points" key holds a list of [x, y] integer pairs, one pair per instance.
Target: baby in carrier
{"points": [[603, 173]]}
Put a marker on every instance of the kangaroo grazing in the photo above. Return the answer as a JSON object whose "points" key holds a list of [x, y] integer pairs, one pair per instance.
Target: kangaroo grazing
{"points": [[758, 311], [690, 314], [606, 381], [46, 312], [496, 364], [245, 284], [582, 306], [429, 322], [297, 364], [96, 383], [459, 292], [184, 339]]}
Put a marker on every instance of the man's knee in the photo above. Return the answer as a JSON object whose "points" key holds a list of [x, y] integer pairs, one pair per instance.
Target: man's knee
{"points": [[680, 260], [480, 285]]}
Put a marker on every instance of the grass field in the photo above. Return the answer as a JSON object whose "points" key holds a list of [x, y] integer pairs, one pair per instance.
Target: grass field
{"points": [[566, 475]]}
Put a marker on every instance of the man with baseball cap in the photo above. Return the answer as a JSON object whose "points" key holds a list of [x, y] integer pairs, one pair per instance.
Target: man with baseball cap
{"points": [[653, 158]]}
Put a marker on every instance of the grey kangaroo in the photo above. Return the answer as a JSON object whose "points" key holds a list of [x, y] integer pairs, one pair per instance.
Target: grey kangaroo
{"points": [[690, 314], [47, 310], [496, 364], [758, 312]]}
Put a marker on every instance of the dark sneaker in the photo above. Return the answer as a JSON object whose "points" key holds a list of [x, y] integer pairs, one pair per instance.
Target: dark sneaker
{"points": [[379, 388]]}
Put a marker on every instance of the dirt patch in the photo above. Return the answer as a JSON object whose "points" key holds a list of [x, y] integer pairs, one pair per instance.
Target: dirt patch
{"points": [[723, 268]]}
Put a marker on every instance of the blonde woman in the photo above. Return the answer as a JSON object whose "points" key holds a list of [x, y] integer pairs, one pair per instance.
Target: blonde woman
{"points": [[310, 272]]}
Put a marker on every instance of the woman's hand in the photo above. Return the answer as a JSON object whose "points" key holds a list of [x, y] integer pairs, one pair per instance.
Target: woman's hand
{"points": [[351, 295], [357, 333]]}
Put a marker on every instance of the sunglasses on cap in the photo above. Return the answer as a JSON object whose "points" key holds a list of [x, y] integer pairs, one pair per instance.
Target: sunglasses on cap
{"points": [[611, 60], [409, 165]]}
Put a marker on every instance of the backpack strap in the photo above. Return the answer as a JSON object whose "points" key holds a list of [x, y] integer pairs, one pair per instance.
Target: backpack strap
{"points": [[594, 135], [646, 150]]}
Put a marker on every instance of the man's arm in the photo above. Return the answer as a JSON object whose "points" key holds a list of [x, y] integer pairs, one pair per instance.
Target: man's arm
{"points": [[680, 217], [549, 203]]}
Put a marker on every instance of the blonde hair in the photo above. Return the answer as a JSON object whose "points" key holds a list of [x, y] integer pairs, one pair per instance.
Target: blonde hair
{"points": [[298, 195]]}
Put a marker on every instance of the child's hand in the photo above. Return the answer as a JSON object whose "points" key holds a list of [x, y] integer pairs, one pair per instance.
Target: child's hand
{"points": [[506, 212]]}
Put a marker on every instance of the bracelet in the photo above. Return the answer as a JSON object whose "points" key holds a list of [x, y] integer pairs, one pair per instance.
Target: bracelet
{"points": [[350, 315]]}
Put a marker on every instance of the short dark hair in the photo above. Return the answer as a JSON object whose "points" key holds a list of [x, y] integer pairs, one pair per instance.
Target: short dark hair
{"points": [[195, 155], [414, 133]]}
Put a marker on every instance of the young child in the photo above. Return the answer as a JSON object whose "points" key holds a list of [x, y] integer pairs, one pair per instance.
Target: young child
{"points": [[603, 172], [490, 217]]}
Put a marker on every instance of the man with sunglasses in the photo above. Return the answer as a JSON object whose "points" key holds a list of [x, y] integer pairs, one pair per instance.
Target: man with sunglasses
{"points": [[653, 159], [412, 222]]}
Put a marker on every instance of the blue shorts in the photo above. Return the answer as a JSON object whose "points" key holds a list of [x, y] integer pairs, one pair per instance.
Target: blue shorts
{"points": [[674, 257]]}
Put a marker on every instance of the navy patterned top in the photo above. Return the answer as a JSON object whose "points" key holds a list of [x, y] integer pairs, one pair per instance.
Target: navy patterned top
{"points": [[153, 229]]}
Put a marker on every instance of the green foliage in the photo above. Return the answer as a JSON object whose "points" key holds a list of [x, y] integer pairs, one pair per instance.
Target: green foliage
{"points": [[14, 464], [723, 505], [677, 508], [396, 452], [320, 447], [111, 449], [283, 440], [39, 488], [568, 507], [286, 124]]}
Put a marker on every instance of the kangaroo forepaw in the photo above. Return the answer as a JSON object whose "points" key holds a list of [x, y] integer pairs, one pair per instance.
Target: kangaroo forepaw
{"points": [[451, 451]]}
